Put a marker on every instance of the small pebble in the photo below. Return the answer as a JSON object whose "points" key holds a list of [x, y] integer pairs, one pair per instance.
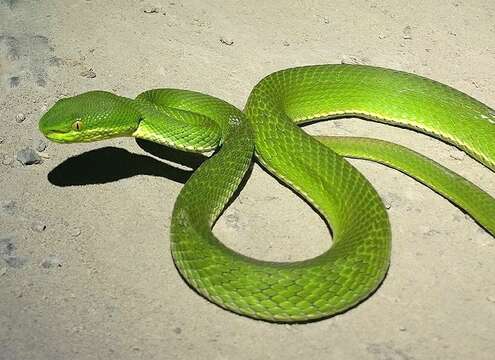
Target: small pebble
{"points": [[151, 10], [41, 145], [407, 33], [431, 232], [350, 59], [7, 252], [15, 261], [457, 155], [7, 246], [491, 299], [177, 330], [90, 74], [28, 156], [285, 43], [3, 271], [402, 328], [14, 81], [55, 61], [20, 117], [226, 40], [391, 200], [7, 160], [38, 226], [326, 20], [51, 262], [9, 207], [233, 220], [77, 329], [75, 232]]}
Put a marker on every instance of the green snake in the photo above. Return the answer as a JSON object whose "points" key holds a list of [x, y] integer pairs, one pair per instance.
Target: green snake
{"points": [[314, 167]]}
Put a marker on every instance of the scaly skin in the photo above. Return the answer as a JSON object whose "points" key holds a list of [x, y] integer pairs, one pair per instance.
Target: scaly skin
{"points": [[447, 183], [359, 257]]}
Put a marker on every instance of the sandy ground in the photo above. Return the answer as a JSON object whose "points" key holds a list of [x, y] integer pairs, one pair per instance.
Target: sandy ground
{"points": [[86, 270]]}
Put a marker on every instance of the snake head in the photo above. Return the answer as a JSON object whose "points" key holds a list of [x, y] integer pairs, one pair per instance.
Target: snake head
{"points": [[94, 115]]}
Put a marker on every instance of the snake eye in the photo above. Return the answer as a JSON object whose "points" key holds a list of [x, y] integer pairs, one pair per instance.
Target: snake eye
{"points": [[77, 125]]}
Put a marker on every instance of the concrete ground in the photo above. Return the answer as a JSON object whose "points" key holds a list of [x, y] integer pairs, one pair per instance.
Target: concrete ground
{"points": [[86, 271]]}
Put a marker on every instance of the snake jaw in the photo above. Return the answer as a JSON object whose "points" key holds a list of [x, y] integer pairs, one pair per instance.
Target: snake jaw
{"points": [[55, 136]]}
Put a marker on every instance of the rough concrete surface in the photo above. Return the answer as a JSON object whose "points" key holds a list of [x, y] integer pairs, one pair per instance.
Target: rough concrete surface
{"points": [[85, 268]]}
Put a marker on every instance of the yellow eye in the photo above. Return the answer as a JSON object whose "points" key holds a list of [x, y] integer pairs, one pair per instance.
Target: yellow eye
{"points": [[77, 125]]}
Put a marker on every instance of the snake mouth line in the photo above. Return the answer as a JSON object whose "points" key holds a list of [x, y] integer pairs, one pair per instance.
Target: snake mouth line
{"points": [[56, 135]]}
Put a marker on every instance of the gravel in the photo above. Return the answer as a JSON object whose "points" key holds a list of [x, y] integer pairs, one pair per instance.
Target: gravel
{"points": [[40, 145], [8, 252], [51, 261], [28, 156], [90, 74], [20, 117]]}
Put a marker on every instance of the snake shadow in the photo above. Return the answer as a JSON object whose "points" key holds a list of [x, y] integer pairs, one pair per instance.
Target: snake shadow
{"points": [[109, 164]]}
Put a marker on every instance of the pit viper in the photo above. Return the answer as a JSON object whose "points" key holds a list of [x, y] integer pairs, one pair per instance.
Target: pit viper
{"points": [[314, 167]]}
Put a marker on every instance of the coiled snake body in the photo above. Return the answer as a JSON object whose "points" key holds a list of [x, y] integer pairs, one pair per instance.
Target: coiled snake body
{"points": [[359, 257]]}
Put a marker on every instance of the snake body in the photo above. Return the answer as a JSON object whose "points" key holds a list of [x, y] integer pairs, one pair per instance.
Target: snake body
{"points": [[358, 259]]}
